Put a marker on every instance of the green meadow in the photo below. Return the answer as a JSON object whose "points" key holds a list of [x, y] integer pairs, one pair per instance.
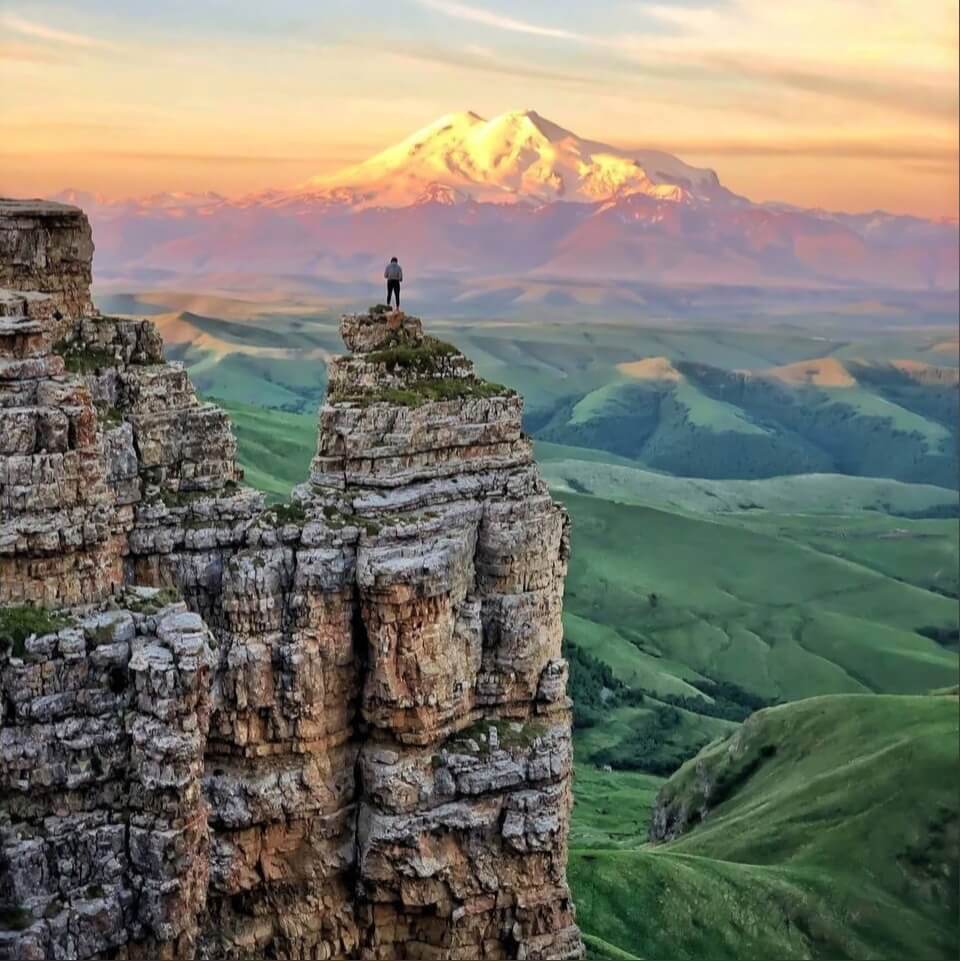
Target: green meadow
{"points": [[831, 832], [763, 577]]}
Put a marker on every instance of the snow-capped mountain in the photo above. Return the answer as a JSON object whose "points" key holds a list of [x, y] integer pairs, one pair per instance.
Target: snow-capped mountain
{"points": [[514, 157], [520, 197]]}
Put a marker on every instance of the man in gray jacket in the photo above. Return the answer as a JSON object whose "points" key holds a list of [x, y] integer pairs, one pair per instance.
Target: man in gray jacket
{"points": [[393, 274]]}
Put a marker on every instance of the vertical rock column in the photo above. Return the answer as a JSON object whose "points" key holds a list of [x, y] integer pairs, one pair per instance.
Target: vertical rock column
{"points": [[276, 587], [282, 752], [104, 696], [104, 693], [465, 769], [171, 460], [59, 539]]}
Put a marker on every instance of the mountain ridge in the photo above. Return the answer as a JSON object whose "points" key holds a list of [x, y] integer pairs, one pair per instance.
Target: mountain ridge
{"points": [[518, 155], [521, 196]]}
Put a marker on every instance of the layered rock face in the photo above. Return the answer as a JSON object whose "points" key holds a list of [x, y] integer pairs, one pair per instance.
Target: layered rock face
{"points": [[104, 692], [350, 738], [465, 770], [47, 247], [59, 540], [103, 834]]}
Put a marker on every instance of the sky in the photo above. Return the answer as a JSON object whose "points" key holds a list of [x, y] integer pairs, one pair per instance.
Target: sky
{"points": [[844, 104]]}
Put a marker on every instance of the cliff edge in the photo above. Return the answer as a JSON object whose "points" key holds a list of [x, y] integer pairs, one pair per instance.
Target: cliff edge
{"points": [[333, 728]]}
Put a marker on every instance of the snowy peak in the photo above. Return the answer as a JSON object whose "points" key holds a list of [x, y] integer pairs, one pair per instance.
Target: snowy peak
{"points": [[491, 198], [514, 157]]}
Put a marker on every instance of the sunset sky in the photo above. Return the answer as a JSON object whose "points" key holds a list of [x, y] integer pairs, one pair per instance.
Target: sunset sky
{"points": [[847, 104]]}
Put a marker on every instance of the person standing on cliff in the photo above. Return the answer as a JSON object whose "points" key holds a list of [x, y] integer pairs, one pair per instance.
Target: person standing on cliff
{"points": [[393, 274]]}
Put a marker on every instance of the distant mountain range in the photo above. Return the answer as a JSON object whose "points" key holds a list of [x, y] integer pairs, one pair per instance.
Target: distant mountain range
{"points": [[520, 197]]}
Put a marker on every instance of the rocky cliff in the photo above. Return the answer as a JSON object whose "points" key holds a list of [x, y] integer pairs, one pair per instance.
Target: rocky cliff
{"points": [[332, 728]]}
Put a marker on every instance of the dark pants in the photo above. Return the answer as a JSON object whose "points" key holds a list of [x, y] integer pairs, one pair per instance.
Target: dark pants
{"points": [[393, 288]]}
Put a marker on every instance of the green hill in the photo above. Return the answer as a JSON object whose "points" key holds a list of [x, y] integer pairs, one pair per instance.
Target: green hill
{"points": [[678, 626], [275, 447], [584, 471], [831, 831], [754, 607], [698, 420], [693, 601]]}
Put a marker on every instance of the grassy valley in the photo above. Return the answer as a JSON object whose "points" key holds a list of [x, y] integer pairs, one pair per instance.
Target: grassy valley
{"points": [[698, 420], [764, 569], [770, 607], [275, 447], [814, 844]]}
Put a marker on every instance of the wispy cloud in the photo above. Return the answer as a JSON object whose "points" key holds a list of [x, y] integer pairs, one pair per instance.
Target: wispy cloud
{"points": [[898, 93], [923, 152], [891, 56], [876, 55], [464, 11], [40, 31], [480, 60], [194, 159], [200, 158], [932, 168], [60, 125]]}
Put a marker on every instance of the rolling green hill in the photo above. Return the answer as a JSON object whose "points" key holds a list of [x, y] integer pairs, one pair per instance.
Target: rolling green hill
{"points": [[832, 832], [769, 613], [698, 420], [275, 447], [585, 471], [785, 564]]}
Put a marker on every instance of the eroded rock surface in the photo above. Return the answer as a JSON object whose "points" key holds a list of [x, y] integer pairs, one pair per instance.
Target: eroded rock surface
{"points": [[47, 247], [333, 728]]}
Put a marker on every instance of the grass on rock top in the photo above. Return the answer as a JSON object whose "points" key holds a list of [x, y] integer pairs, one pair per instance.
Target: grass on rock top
{"points": [[511, 735], [288, 512], [426, 361], [108, 416], [150, 601], [423, 359], [80, 358], [425, 391], [185, 498], [20, 622]]}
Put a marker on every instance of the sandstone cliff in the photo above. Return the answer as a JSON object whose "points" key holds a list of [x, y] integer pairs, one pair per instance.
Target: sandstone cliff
{"points": [[333, 728]]}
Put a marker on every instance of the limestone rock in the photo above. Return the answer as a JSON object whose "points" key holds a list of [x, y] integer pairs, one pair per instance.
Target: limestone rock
{"points": [[335, 728], [47, 247], [60, 537], [381, 327], [103, 831]]}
